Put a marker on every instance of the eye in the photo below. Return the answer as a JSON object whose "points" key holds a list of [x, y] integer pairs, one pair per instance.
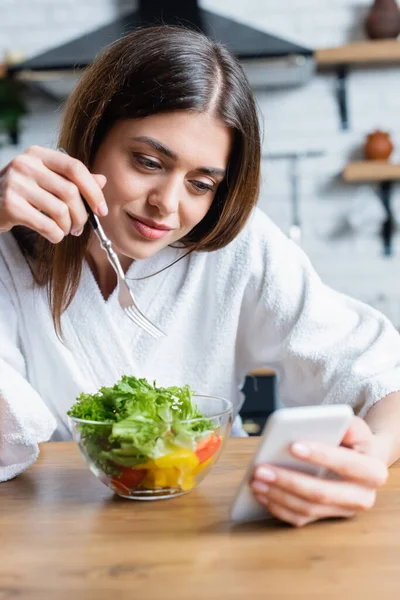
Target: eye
{"points": [[202, 187], [146, 162]]}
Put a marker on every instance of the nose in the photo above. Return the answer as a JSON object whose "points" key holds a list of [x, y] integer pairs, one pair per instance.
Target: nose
{"points": [[166, 195]]}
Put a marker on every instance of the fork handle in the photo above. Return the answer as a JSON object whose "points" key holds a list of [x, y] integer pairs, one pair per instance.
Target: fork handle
{"points": [[103, 239], [92, 218], [105, 243], [112, 257]]}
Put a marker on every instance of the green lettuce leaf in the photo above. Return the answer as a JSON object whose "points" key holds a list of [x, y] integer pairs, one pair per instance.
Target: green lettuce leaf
{"points": [[146, 420]]}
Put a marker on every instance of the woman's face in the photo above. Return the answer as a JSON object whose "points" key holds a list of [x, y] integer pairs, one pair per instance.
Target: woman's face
{"points": [[162, 174]]}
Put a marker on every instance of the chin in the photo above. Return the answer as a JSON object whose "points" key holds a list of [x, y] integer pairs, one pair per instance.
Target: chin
{"points": [[138, 251], [143, 254]]}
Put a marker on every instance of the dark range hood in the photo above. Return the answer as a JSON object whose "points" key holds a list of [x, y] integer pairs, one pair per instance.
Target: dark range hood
{"points": [[268, 60]]}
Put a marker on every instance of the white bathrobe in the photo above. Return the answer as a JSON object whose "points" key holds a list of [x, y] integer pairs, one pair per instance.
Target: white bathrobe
{"points": [[256, 303]]}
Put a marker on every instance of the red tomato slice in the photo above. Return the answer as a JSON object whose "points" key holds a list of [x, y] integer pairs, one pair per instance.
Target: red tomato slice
{"points": [[208, 447], [129, 479]]}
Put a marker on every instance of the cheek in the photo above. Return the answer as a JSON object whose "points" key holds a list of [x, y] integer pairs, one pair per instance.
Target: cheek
{"points": [[194, 212], [123, 187]]}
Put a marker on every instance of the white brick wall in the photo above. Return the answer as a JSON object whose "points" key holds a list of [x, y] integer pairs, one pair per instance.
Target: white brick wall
{"points": [[304, 118]]}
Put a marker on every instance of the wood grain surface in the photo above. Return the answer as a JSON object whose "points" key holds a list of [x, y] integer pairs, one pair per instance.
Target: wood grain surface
{"points": [[371, 170], [65, 536], [360, 52], [262, 372]]}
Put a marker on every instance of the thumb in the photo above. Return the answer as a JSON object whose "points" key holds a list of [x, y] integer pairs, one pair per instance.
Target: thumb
{"points": [[101, 180], [358, 436]]}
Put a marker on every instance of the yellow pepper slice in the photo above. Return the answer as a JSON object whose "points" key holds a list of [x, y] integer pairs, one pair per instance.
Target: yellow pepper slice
{"points": [[161, 478], [172, 470], [182, 459], [187, 481], [202, 466], [148, 465]]}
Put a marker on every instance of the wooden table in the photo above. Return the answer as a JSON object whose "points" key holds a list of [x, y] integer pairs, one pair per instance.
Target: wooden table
{"points": [[65, 536]]}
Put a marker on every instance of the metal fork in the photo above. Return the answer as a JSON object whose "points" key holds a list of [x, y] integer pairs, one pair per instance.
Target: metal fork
{"points": [[125, 296]]}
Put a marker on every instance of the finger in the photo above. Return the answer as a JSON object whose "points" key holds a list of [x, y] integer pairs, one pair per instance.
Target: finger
{"points": [[293, 518], [31, 177], [283, 513], [67, 192], [299, 505], [53, 207], [101, 180], [316, 490], [349, 464], [73, 170], [27, 215]]}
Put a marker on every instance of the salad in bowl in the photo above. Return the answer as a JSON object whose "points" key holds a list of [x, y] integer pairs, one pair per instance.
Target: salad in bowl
{"points": [[147, 442]]}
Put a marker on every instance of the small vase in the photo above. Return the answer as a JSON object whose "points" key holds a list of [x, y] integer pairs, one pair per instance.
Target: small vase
{"points": [[383, 21], [378, 146]]}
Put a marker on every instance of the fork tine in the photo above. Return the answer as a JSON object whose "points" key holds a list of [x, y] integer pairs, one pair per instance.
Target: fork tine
{"points": [[136, 310], [134, 313], [136, 318], [146, 324]]}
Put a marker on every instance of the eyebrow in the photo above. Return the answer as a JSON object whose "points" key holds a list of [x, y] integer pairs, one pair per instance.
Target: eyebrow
{"points": [[170, 154]]}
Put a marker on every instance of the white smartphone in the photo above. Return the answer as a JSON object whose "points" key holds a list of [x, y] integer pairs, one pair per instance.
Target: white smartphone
{"points": [[326, 424]]}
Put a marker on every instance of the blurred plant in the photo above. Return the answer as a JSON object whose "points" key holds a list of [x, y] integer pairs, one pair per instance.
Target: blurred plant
{"points": [[12, 108]]}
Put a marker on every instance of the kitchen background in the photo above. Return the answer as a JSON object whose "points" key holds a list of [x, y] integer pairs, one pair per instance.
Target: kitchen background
{"points": [[340, 221]]}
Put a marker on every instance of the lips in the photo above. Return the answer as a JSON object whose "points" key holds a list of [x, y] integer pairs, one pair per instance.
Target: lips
{"points": [[149, 229], [151, 223]]}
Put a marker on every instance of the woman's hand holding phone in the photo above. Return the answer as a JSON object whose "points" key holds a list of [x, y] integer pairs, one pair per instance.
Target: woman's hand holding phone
{"points": [[300, 498]]}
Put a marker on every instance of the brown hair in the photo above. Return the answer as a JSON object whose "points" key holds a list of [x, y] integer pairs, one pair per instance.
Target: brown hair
{"points": [[153, 70]]}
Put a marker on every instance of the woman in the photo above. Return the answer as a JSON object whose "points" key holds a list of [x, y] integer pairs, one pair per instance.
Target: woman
{"points": [[163, 143]]}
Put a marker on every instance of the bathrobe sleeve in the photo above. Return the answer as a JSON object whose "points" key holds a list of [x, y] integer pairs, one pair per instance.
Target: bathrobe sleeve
{"points": [[25, 421], [324, 346]]}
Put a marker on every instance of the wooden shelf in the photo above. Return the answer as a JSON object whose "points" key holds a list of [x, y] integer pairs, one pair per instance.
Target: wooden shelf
{"points": [[365, 52], [384, 174], [371, 170], [262, 373]]}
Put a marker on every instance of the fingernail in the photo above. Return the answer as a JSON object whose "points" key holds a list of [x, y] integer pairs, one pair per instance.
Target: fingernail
{"points": [[266, 474], [77, 231], [102, 209], [259, 487], [301, 450]]}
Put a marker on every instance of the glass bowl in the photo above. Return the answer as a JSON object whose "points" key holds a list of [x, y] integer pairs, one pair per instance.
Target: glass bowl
{"points": [[171, 474]]}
